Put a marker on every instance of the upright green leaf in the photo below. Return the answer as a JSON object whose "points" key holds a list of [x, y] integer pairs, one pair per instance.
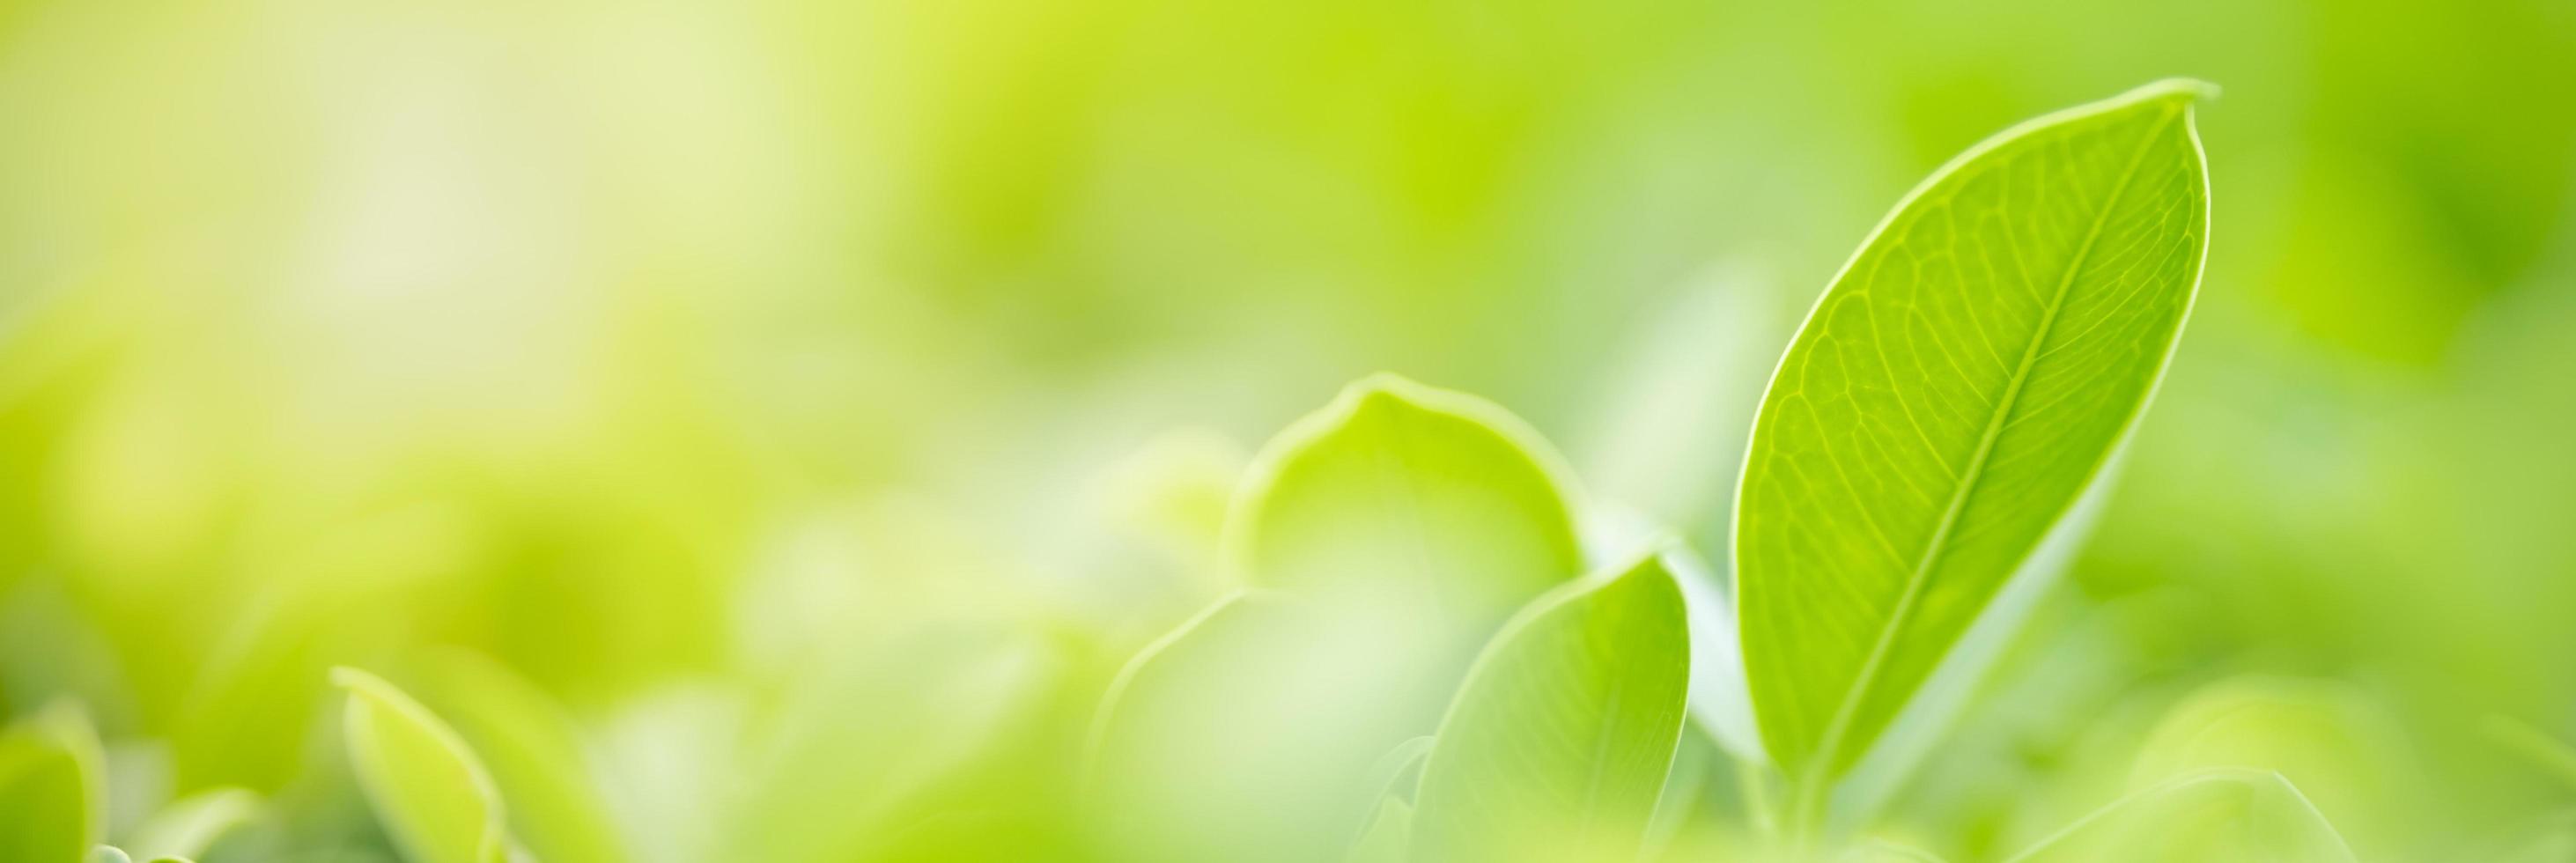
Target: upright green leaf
{"points": [[1559, 742], [535, 754], [2226, 815], [1952, 396], [53, 799], [433, 795], [1386, 537]]}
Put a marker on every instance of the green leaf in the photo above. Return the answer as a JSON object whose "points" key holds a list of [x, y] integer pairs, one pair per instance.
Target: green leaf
{"points": [[535, 754], [1387, 537], [188, 827], [2550, 754], [433, 795], [1387, 835], [1558, 744], [1950, 399], [53, 801], [1402, 497], [2213, 816], [2343, 750]]}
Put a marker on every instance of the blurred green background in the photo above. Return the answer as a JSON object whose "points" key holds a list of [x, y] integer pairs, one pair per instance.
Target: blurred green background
{"points": [[822, 400]]}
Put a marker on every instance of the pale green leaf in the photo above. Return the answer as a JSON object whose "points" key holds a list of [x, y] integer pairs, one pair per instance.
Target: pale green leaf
{"points": [[536, 756], [188, 827], [430, 790], [2224, 815], [1559, 742], [53, 800], [109, 854], [1950, 399], [2343, 750], [1402, 497], [1387, 536], [1387, 836]]}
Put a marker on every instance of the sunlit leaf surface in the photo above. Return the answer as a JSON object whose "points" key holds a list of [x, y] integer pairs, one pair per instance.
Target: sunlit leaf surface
{"points": [[1388, 536], [433, 795], [1560, 741], [1953, 394], [535, 756]]}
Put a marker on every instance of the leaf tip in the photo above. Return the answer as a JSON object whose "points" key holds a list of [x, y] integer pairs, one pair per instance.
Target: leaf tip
{"points": [[2185, 89]]}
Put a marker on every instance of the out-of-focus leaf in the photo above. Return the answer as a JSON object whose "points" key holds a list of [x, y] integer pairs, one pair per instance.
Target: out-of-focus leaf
{"points": [[1429, 501], [2215, 816], [2547, 753], [1559, 742], [1388, 835], [536, 756], [1386, 536], [1952, 396], [187, 827], [856, 743], [53, 801], [433, 795], [2342, 751]]}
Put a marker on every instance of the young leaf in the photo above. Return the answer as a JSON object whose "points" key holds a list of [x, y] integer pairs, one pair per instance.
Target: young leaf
{"points": [[188, 827], [1387, 536], [534, 752], [1401, 494], [53, 802], [2225, 815], [1560, 740], [1950, 398], [432, 793]]}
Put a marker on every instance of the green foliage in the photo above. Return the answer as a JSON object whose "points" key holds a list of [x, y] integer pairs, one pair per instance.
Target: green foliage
{"points": [[1385, 538], [53, 796], [1559, 742], [2217, 816], [1962, 383], [429, 789], [534, 754], [187, 827]]}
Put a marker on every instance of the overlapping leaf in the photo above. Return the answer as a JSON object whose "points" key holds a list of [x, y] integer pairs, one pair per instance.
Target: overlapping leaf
{"points": [[1559, 743], [430, 790], [52, 792], [1386, 537]]}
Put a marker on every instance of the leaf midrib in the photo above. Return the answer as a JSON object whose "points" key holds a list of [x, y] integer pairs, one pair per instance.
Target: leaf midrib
{"points": [[1828, 750]]}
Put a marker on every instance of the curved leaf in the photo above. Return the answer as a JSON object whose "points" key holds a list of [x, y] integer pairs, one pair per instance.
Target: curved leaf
{"points": [[2213, 816], [188, 827], [53, 800], [433, 794], [1949, 400], [535, 754], [1387, 835], [1387, 536], [1397, 493], [1558, 744]]}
